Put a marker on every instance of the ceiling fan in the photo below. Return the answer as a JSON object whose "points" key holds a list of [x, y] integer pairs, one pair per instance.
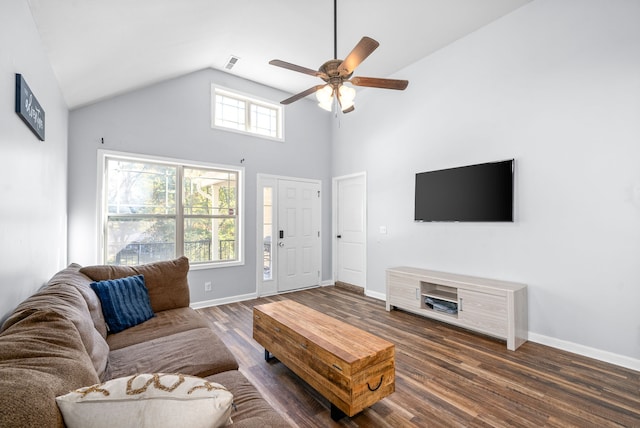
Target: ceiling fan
{"points": [[337, 72]]}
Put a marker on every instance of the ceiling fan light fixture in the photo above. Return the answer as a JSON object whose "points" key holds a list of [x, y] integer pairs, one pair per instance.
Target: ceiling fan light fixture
{"points": [[324, 96], [346, 95], [327, 106]]}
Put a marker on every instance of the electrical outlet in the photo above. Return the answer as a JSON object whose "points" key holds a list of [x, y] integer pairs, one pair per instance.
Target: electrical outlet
{"points": [[207, 286]]}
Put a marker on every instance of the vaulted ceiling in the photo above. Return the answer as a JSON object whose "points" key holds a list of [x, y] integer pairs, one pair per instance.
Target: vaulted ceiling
{"points": [[101, 48]]}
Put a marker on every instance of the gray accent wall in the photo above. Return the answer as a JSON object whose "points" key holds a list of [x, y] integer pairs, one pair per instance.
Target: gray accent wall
{"points": [[173, 119], [555, 85], [33, 176]]}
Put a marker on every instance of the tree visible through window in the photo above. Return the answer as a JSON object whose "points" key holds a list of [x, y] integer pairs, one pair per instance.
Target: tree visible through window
{"points": [[155, 211], [210, 207]]}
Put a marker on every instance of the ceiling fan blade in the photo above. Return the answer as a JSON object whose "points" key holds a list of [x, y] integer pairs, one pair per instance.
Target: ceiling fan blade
{"points": [[298, 68], [302, 94], [374, 82], [363, 49]]}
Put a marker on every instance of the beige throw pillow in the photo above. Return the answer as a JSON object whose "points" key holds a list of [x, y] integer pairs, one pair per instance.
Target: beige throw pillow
{"points": [[148, 400], [166, 281]]}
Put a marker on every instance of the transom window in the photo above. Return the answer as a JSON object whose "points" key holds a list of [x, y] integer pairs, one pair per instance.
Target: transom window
{"points": [[155, 210], [237, 112]]}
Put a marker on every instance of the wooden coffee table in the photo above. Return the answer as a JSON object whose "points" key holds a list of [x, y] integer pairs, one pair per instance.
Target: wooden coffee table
{"points": [[350, 367]]}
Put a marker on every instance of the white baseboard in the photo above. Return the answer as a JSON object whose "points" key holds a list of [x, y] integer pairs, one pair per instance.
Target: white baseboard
{"points": [[376, 295], [223, 301], [586, 351], [242, 298]]}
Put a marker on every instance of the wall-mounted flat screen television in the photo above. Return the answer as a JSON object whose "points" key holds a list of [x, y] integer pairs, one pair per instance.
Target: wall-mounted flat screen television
{"points": [[472, 193]]}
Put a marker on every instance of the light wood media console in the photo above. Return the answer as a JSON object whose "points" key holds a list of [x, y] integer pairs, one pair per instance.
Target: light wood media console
{"points": [[488, 306]]}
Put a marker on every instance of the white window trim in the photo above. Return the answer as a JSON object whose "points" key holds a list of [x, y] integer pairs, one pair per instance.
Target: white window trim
{"points": [[102, 156], [252, 99]]}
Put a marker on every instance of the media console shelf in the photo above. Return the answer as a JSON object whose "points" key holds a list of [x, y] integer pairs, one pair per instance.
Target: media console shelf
{"points": [[488, 306]]}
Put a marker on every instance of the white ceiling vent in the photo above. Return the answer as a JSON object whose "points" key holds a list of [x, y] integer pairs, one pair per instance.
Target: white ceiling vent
{"points": [[232, 61]]}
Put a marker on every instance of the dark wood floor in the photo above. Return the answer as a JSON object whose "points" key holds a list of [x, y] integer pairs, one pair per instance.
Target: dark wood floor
{"points": [[445, 376]]}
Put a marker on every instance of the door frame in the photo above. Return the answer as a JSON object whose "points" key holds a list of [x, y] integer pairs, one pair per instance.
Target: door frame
{"points": [[270, 287], [334, 224]]}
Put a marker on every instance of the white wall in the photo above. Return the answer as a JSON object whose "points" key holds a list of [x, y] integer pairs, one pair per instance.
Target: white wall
{"points": [[33, 176], [172, 119], [555, 85]]}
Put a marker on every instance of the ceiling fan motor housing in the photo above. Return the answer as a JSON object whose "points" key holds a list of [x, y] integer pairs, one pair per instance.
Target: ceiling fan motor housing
{"points": [[330, 69]]}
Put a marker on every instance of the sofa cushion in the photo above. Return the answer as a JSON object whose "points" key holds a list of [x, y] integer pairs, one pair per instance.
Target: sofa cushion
{"points": [[251, 410], [198, 352], [67, 301], [125, 302], [41, 356], [163, 324], [166, 281], [148, 400], [72, 276]]}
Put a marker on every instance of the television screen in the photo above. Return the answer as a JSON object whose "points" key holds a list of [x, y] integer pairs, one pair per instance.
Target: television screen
{"points": [[472, 193]]}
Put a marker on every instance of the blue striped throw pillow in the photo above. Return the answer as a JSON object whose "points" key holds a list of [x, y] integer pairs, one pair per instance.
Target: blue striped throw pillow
{"points": [[125, 302]]}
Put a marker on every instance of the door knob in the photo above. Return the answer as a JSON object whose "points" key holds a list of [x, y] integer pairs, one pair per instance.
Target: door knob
{"points": [[339, 236], [280, 244]]}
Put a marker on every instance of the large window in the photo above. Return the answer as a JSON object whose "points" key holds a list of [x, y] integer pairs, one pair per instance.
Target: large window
{"points": [[156, 210], [241, 113]]}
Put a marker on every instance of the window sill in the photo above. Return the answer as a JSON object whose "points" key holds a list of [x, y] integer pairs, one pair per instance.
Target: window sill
{"points": [[247, 133], [214, 265]]}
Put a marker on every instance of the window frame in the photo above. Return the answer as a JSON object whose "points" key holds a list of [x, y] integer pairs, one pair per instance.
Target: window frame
{"points": [[180, 165], [249, 100]]}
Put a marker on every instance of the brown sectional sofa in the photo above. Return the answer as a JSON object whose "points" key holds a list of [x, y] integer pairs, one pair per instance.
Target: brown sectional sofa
{"points": [[57, 341]]}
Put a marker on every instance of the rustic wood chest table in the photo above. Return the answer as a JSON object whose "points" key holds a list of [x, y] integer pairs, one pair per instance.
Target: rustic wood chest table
{"points": [[350, 367]]}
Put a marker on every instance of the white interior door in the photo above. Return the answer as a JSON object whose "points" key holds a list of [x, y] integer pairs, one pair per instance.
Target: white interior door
{"points": [[351, 227], [298, 234]]}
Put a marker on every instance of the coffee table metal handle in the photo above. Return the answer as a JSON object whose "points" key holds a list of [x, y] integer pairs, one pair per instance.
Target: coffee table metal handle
{"points": [[277, 329], [304, 345], [377, 387]]}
